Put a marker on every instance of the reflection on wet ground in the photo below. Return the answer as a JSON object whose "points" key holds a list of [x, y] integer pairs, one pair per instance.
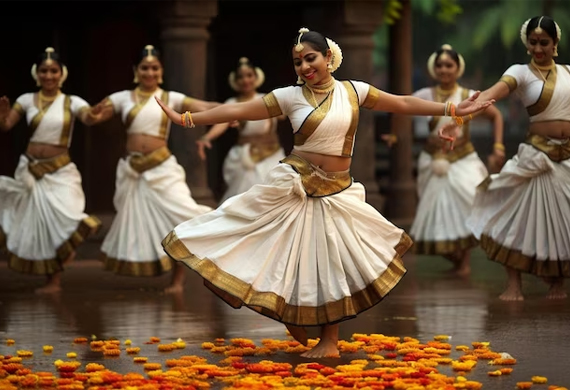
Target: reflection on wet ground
{"points": [[426, 303]]}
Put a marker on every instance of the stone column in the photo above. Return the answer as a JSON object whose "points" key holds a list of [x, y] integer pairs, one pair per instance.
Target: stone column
{"points": [[184, 38], [401, 203], [360, 18]]}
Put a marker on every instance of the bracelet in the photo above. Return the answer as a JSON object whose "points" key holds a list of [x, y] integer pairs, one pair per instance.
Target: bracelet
{"points": [[183, 120], [446, 109], [188, 122], [458, 120], [393, 138], [452, 109], [468, 120], [499, 146]]}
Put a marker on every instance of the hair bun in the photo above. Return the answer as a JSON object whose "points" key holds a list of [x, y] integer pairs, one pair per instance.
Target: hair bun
{"points": [[243, 60], [446, 47], [149, 47], [303, 30]]}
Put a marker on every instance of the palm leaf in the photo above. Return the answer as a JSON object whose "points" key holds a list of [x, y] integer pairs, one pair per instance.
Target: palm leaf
{"points": [[487, 27]]}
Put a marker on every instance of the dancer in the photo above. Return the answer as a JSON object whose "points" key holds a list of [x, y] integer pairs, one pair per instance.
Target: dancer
{"points": [[151, 193], [42, 217], [521, 214], [258, 149], [304, 248], [447, 181]]}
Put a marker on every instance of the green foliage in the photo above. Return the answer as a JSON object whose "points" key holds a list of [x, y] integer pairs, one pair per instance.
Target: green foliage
{"points": [[446, 11]]}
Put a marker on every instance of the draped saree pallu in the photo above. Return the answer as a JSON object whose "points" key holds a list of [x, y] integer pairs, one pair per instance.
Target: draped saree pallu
{"points": [[151, 194], [42, 217], [304, 247], [447, 182]]}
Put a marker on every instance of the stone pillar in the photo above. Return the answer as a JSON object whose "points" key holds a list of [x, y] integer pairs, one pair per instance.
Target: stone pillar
{"points": [[401, 202], [184, 38], [360, 18]]}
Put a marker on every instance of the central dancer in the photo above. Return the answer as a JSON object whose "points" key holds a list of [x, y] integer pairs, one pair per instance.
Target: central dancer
{"points": [[304, 248]]}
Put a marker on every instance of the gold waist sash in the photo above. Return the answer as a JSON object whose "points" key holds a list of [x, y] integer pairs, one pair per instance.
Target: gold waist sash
{"points": [[318, 183], [144, 162], [39, 168], [461, 148], [556, 149], [261, 146]]}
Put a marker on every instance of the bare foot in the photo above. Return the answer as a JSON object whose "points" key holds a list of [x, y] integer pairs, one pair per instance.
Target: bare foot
{"points": [[557, 290], [48, 289], [174, 289], [463, 271], [70, 258], [511, 294], [324, 349], [299, 333]]}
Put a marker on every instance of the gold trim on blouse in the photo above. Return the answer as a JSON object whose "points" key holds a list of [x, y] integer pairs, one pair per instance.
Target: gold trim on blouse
{"points": [[144, 162], [315, 117], [510, 81], [67, 120], [39, 168], [237, 293], [272, 105], [545, 95], [18, 108], [163, 132], [139, 106], [349, 136], [556, 150], [316, 182], [371, 98]]}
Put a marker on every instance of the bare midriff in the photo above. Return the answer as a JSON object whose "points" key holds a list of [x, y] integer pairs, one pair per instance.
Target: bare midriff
{"points": [[551, 129], [42, 151], [143, 143], [325, 162]]}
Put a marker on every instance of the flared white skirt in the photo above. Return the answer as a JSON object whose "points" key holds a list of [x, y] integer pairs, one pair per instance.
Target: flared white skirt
{"points": [[148, 205], [522, 214], [297, 259], [42, 220], [446, 193], [241, 172]]}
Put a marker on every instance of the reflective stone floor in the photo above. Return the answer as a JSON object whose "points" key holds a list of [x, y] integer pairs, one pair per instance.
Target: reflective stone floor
{"points": [[426, 303]]}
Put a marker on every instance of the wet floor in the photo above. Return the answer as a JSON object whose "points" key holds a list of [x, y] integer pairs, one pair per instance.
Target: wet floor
{"points": [[426, 303]]}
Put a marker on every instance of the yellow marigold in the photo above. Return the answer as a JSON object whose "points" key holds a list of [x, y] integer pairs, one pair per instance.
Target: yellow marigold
{"points": [[10, 342], [539, 379], [208, 345], [503, 362], [71, 355], [24, 353], [47, 348], [463, 366], [80, 340], [179, 344], [463, 348], [93, 367], [112, 352], [442, 337], [506, 371], [472, 385], [152, 366], [480, 344], [62, 366], [133, 350], [155, 339], [166, 347], [14, 359], [128, 342], [495, 373], [524, 385], [140, 359]]}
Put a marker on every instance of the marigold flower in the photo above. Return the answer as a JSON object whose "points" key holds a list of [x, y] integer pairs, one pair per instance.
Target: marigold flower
{"points": [[506, 371], [503, 362], [94, 367], [133, 350], [152, 366], [80, 340], [208, 345], [179, 344], [495, 373], [480, 344], [524, 385], [97, 344], [47, 348], [166, 347], [62, 366], [24, 353], [140, 359], [112, 352], [539, 379], [442, 337], [71, 355], [155, 339], [10, 342]]}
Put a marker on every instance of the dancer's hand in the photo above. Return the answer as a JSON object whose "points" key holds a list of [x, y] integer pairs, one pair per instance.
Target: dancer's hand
{"points": [[449, 132], [495, 161], [174, 116], [390, 139], [234, 124], [470, 105], [5, 106], [203, 144]]}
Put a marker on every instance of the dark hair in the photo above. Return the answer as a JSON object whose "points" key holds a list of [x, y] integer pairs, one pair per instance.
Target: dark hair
{"points": [[316, 40], [450, 52], [148, 50], [547, 24], [52, 55]]}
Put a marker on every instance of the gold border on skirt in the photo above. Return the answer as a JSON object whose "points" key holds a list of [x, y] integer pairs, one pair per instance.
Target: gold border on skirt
{"points": [[137, 268], [444, 247], [514, 258], [87, 226], [238, 293]]}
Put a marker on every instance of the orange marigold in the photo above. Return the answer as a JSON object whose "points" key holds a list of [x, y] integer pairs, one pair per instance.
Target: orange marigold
{"points": [[140, 359], [152, 366], [112, 352], [133, 350], [539, 379], [524, 385], [80, 340], [166, 347], [24, 353]]}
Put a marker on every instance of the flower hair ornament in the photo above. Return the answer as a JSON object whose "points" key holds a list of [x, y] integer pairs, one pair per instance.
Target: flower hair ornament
{"points": [[538, 30], [244, 61], [48, 61], [336, 52], [433, 56]]}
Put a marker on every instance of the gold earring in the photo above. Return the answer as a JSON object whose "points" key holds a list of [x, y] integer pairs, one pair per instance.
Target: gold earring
{"points": [[555, 54], [528, 52], [136, 77], [160, 80], [329, 66], [300, 80]]}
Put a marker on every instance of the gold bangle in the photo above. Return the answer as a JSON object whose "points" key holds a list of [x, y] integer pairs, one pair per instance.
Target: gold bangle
{"points": [[183, 120], [189, 122], [458, 120], [452, 109], [499, 146]]}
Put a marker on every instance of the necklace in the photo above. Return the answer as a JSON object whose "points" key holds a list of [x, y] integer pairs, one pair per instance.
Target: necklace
{"points": [[322, 88], [541, 68], [46, 99], [443, 94], [144, 96]]}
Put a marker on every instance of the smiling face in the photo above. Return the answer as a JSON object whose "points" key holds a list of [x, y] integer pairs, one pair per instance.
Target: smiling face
{"points": [[49, 75], [149, 72], [541, 47], [311, 64], [246, 78], [446, 69]]}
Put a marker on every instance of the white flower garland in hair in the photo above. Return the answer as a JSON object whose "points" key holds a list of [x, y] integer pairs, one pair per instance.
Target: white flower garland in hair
{"points": [[336, 58], [431, 62], [524, 27]]}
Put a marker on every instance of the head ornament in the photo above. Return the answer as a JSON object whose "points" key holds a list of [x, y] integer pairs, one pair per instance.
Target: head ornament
{"points": [[243, 61], [433, 56], [49, 60], [538, 30]]}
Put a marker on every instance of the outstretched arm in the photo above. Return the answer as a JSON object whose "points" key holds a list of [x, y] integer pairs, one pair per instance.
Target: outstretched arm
{"points": [[411, 105], [101, 112], [251, 110], [498, 91], [195, 105], [8, 116]]}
